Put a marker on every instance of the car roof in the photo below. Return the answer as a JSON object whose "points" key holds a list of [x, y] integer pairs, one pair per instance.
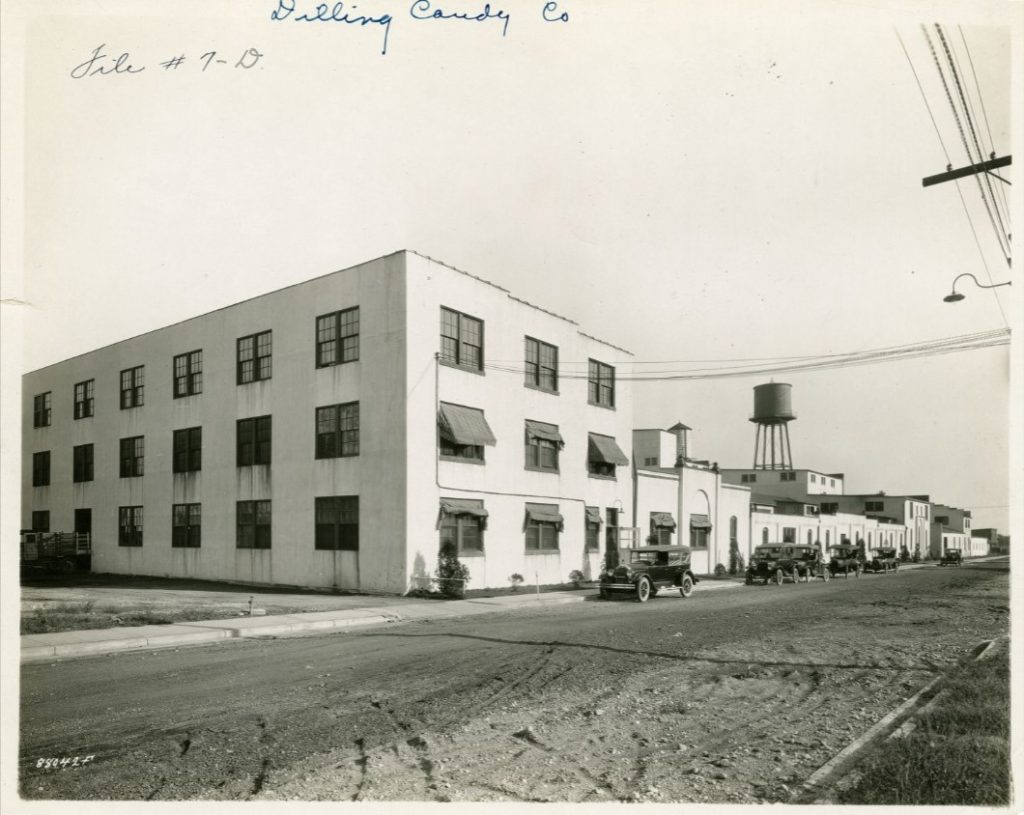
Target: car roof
{"points": [[660, 549]]}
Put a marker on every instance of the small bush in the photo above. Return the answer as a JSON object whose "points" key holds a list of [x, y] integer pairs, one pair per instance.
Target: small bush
{"points": [[576, 577], [720, 570], [452, 575], [515, 580]]}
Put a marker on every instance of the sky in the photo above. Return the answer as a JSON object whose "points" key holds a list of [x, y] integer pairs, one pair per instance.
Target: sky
{"points": [[690, 181]]}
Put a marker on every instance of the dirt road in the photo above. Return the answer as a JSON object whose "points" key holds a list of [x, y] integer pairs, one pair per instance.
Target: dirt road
{"points": [[731, 696]]}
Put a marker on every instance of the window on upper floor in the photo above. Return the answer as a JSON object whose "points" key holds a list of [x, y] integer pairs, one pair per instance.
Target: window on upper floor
{"points": [[188, 374], [462, 340], [603, 456], [748, 478], [41, 410], [41, 469], [132, 456], [188, 450], [600, 384], [41, 520], [82, 463], [132, 387], [253, 357], [874, 506], [787, 476], [463, 433], [541, 365], [337, 430], [814, 478], [789, 534], [85, 393], [543, 441], [337, 337], [253, 441]]}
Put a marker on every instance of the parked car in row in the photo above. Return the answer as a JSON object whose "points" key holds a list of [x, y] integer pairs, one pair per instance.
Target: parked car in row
{"points": [[952, 557], [645, 570], [779, 561], [845, 558], [883, 560]]}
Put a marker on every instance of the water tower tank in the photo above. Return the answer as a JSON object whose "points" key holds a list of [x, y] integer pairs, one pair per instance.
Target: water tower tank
{"points": [[773, 403]]}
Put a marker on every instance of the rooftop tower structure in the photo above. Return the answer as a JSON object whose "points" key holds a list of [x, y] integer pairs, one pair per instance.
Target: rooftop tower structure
{"points": [[773, 411]]}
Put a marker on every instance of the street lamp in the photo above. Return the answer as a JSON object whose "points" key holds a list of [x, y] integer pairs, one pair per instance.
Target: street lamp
{"points": [[953, 297]]}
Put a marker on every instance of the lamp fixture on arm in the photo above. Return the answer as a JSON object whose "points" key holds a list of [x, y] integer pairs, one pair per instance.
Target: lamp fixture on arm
{"points": [[953, 297]]}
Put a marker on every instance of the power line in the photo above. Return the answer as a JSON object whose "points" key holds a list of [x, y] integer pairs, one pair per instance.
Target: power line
{"points": [[949, 161]]}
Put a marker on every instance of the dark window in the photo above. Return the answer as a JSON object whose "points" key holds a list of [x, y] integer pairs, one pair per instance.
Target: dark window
{"points": [[787, 476], [252, 529], [604, 455], [814, 478], [337, 522], [601, 384], [186, 525], [41, 469], [789, 534], [593, 529], [82, 463], [337, 430], [85, 393], [541, 365], [543, 524], [830, 508], [129, 526], [254, 362], [41, 410], [188, 374], [748, 478], [463, 530], [41, 520], [462, 340], [337, 337], [764, 535], [662, 527], [542, 445], [133, 388], [132, 454], [874, 506], [253, 437], [188, 450], [470, 452], [611, 529]]}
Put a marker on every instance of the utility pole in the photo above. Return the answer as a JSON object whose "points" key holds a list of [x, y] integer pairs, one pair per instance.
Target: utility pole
{"points": [[973, 169]]}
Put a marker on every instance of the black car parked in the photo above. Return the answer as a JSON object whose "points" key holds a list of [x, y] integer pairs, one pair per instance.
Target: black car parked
{"points": [[846, 559], [883, 560], [779, 561], [646, 569]]}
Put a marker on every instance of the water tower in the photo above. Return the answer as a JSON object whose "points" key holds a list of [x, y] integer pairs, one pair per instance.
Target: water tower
{"points": [[773, 411]]}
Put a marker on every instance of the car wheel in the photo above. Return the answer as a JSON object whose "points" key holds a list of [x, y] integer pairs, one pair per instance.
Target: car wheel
{"points": [[826, 575], [686, 586], [643, 589], [749, 581], [604, 593], [796, 575], [766, 580], [857, 571], [779, 577]]}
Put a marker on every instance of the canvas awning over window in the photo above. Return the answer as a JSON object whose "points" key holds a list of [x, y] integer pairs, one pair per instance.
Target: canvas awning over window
{"points": [[462, 506], [664, 520], [464, 425], [544, 513], [547, 432], [699, 522], [604, 450], [593, 515]]}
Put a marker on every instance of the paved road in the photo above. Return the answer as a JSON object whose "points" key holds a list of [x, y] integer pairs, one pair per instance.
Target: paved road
{"points": [[592, 701]]}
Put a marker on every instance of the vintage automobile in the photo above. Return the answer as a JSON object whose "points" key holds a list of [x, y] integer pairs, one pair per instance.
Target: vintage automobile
{"points": [[883, 560], [777, 561], [845, 558], [646, 569], [952, 557]]}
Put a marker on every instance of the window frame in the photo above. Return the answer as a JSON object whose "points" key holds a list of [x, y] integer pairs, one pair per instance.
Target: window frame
{"points": [[535, 368], [460, 522], [250, 532], [82, 463], [257, 360], [42, 409], [253, 441], [459, 342], [541, 532], [599, 392], [84, 405], [129, 525], [187, 535], [535, 447], [591, 531], [189, 382], [41, 468], [342, 351], [187, 454], [132, 456], [134, 392], [41, 521], [340, 436], [337, 506]]}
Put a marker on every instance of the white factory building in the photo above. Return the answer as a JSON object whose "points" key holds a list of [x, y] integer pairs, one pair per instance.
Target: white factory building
{"points": [[336, 432]]}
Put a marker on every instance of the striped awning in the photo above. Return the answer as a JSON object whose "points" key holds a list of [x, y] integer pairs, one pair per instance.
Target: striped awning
{"points": [[547, 432], [462, 506], [663, 520], [604, 450], [545, 513], [593, 515], [699, 522], [464, 425]]}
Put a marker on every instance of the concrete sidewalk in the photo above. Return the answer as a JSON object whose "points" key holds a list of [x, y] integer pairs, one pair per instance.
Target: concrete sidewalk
{"points": [[90, 642]]}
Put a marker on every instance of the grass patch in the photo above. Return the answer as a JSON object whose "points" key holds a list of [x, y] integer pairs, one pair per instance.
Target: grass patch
{"points": [[958, 755], [83, 616]]}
